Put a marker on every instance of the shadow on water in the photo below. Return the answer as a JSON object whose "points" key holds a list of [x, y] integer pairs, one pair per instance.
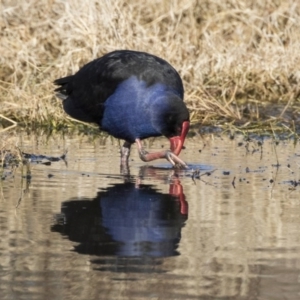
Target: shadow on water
{"points": [[129, 220]]}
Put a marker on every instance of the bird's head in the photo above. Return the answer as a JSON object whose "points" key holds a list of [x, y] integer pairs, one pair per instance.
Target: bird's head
{"points": [[175, 122]]}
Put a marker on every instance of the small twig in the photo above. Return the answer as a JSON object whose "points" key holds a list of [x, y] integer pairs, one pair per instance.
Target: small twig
{"points": [[208, 173], [26, 190], [14, 124], [274, 146], [233, 182], [196, 175], [292, 97], [81, 122]]}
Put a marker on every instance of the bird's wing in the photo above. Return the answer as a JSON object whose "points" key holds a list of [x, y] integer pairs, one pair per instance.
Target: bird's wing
{"points": [[86, 92]]}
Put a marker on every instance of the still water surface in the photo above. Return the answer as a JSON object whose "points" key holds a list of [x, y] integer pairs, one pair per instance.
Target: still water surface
{"points": [[81, 230]]}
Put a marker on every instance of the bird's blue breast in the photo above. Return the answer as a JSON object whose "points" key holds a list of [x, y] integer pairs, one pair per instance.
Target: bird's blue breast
{"points": [[130, 111]]}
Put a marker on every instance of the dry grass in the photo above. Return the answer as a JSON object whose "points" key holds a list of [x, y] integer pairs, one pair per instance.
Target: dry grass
{"points": [[10, 156], [237, 58]]}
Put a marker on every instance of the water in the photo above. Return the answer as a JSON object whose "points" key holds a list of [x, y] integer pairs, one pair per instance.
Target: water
{"points": [[81, 230]]}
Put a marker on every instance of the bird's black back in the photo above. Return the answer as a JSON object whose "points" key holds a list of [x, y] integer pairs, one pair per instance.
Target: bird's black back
{"points": [[86, 91]]}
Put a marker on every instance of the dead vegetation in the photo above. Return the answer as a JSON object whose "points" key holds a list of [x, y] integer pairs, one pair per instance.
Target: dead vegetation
{"points": [[10, 156], [239, 59]]}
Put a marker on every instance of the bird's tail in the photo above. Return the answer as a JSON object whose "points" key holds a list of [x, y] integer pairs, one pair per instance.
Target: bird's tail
{"points": [[63, 90]]}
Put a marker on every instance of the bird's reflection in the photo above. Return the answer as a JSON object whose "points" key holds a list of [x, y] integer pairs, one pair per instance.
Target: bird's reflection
{"points": [[128, 219]]}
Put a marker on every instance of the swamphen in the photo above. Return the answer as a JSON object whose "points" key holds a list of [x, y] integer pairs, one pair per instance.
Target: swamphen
{"points": [[132, 96]]}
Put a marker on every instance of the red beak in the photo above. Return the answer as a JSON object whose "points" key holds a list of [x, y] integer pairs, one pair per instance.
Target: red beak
{"points": [[177, 141]]}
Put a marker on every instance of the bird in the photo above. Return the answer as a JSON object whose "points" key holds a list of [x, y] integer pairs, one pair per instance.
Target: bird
{"points": [[131, 95]]}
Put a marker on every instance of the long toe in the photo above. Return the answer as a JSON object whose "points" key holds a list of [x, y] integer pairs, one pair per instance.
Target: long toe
{"points": [[175, 160]]}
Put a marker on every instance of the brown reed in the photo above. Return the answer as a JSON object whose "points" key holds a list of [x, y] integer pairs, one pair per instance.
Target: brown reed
{"points": [[239, 60]]}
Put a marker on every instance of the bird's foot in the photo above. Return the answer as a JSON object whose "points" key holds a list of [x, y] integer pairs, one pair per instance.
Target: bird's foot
{"points": [[175, 160], [169, 155], [143, 154]]}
